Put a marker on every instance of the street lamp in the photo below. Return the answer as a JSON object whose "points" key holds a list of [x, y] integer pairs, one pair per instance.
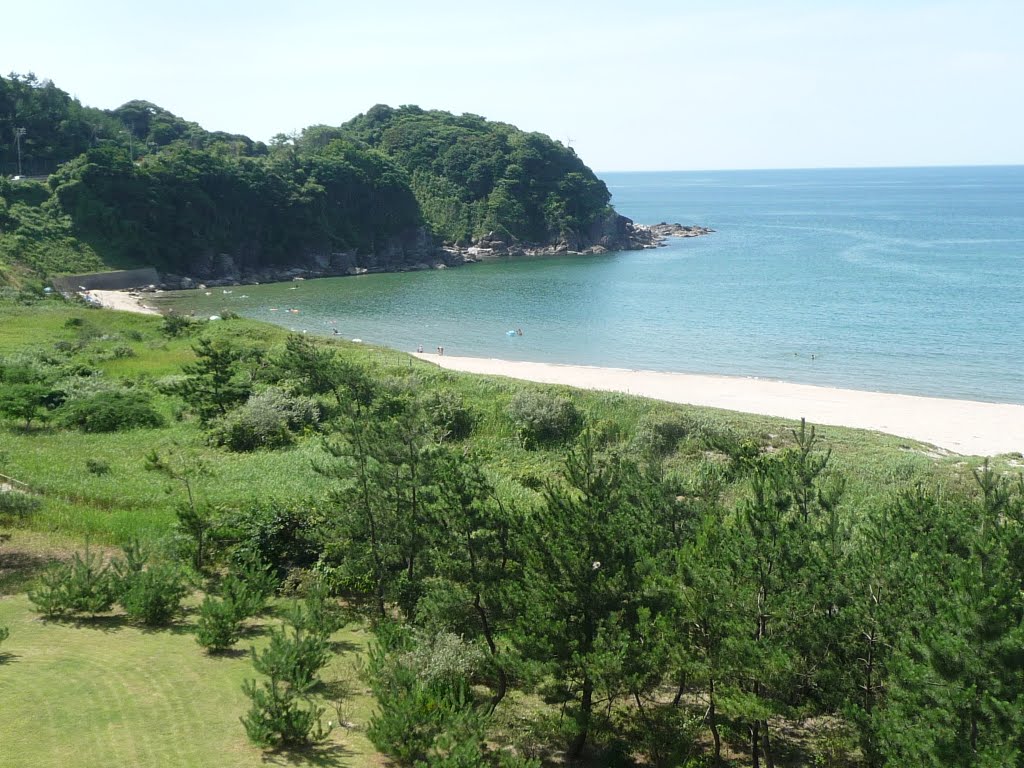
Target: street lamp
{"points": [[18, 133]]}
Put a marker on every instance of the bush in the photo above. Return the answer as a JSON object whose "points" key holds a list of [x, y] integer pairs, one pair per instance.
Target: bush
{"points": [[426, 710], [219, 625], [295, 658], [85, 585], [17, 504], [281, 536], [153, 597], [657, 434], [97, 467], [248, 586], [266, 420], [110, 412], [542, 419], [278, 717], [448, 412], [176, 325]]}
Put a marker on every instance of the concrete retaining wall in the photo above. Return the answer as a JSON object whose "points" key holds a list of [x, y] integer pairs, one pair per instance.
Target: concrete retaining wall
{"points": [[107, 281]]}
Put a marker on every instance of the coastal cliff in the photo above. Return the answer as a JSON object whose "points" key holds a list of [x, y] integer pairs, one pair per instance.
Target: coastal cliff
{"points": [[418, 251], [390, 190]]}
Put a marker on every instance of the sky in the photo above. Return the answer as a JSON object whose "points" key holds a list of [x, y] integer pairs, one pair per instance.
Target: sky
{"points": [[633, 85]]}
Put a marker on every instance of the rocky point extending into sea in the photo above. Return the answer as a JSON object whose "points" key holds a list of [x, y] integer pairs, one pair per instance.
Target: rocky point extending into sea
{"points": [[613, 233]]}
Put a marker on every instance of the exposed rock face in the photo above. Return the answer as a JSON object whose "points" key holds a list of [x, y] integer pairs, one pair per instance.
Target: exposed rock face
{"points": [[412, 250], [416, 250], [611, 233]]}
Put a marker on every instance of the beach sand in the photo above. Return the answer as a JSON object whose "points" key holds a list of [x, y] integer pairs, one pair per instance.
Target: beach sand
{"points": [[121, 300], [960, 426]]}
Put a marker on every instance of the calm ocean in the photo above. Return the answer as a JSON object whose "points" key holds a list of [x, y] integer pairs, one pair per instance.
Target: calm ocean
{"points": [[894, 280]]}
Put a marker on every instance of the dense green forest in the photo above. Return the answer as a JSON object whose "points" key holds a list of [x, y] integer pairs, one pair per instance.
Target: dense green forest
{"points": [[549, 575], [139, 186]]}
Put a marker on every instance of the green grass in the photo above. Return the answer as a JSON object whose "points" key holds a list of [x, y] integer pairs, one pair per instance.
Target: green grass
{"points": [[100, 692], [107, 693], [132, 502]]}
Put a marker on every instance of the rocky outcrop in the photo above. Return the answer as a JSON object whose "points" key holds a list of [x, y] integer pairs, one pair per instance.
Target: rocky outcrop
{"points": [[610, 233], [410, 251], [417, 250]]}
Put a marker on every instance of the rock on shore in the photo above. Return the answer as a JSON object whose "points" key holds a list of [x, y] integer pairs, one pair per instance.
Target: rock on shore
{"points": [[611, 233]]}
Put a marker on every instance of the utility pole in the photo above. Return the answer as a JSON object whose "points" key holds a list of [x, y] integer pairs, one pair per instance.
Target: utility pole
{"points": [[18, 133]]}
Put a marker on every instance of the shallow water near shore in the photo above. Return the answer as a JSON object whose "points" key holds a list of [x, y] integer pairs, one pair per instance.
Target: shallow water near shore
{"points": [[893, 280]]}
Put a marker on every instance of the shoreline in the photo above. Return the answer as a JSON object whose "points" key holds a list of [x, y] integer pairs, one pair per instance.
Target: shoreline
{"points": [[967, 427], [124, 301]]}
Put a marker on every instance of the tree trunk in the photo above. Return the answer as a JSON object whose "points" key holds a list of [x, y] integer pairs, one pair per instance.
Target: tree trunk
{"points": [[712, 720], [766, 745], [755, 744], [583, 720], [677, 700]]}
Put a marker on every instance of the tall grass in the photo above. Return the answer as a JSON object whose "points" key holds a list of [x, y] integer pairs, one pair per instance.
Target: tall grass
{"points": [[129, 501]]}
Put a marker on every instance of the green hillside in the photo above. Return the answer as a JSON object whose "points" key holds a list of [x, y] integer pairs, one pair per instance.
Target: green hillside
{"points": [[138, 186]]}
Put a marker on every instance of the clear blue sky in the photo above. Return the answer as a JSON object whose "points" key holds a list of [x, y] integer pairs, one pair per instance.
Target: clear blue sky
{"points": [[636, 84]]}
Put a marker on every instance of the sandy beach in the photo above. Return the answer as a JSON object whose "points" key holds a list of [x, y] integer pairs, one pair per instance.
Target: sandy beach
{"points": [[960, 426], [122, 300]]}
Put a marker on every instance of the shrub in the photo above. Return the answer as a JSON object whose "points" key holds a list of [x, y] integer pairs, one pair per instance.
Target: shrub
{"points": [[416, 725], [17, 504], [294, 657], [110, 412], [153, 597], [248, 586], [658, 433], [278, 717], [541, 418], [176, 325], [122, 351], [97, 467], [426, 710], [266, 420], [219, 625], [448, 412], [278, 535], [85, 585]]}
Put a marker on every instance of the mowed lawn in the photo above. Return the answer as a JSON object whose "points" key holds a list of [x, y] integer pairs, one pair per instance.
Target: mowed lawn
{"points": [[103, 693]]}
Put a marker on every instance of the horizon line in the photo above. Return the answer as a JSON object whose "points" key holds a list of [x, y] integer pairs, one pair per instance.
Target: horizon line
{"points": [[815, 168]]}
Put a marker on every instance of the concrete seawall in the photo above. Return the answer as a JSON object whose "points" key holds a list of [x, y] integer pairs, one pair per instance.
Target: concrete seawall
{"points": [[107, 281]]}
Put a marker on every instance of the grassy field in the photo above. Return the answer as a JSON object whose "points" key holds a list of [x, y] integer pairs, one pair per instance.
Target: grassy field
{"points": [[130, 502], [101, 692]]}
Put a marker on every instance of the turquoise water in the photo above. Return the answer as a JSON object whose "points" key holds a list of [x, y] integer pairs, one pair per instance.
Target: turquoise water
{"points": [[895, 280]]}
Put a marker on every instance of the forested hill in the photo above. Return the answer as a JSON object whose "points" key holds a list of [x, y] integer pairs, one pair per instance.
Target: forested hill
{"points": [[140, 186], [472, 177]]}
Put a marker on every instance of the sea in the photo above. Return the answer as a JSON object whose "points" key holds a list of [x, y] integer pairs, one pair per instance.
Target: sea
{"points": [[905, 280]]}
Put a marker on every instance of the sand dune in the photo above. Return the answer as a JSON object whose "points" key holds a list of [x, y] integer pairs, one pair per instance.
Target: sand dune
{"points": [[960, 426]]}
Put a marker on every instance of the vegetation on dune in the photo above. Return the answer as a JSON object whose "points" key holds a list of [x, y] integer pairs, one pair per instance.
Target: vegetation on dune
{"points": [[550, 575]]}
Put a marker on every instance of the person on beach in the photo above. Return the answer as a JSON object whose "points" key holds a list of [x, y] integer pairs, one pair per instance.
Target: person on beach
{"points": [[419, 348]]}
